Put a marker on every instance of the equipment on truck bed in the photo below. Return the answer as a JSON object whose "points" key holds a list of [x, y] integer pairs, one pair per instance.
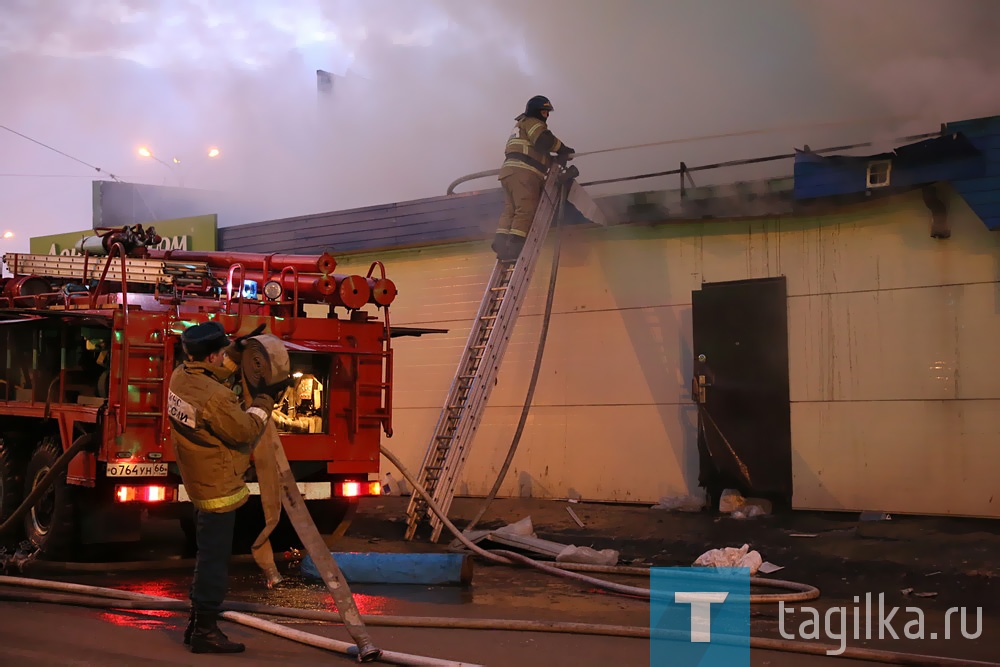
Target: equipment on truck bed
{"points": [[90, 342]]}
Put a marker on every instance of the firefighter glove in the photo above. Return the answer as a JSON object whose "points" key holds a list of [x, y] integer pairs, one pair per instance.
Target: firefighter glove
{"points": [[274, 391]]}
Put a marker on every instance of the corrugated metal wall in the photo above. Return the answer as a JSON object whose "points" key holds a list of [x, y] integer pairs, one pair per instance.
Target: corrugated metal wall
{"points": [[893, 357]]}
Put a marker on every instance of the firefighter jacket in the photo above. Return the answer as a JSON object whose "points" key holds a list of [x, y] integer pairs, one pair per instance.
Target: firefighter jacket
{"points": [[529, 147], [213, 435]]}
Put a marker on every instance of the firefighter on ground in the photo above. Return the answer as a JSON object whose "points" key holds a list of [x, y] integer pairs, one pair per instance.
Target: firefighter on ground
{"points": [[528, 157], [213, 438]]}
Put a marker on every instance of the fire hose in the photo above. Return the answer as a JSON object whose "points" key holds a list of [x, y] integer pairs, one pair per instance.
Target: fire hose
{"points": [[91, 596], [266, 359], [109, 598], [264, 363]]}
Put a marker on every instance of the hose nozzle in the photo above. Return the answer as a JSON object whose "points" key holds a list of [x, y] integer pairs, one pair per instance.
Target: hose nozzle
{"points": [[367, 652]]}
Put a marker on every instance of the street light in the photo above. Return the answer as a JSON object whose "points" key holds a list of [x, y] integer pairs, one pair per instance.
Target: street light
{"points": [[8, 234], [145, 152]]}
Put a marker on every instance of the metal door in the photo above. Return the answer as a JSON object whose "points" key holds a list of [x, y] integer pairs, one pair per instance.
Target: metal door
{"points": [[740, 335]]}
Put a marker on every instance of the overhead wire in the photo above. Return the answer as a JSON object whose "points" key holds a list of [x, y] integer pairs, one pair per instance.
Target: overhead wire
{"points": [[45, 176], [63, 153]]}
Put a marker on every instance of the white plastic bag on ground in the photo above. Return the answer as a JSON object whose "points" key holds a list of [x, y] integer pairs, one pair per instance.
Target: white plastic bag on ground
{"points": [[524, 527], [731, 557], [572, 554], [731, 500], [680, 503]]}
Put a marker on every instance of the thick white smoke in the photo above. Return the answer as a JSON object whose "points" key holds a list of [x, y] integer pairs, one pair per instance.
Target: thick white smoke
{"points": [[426, 90]]}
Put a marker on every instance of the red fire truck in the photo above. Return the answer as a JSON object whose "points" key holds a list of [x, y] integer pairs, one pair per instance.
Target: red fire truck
{"points": [[90, 342]]}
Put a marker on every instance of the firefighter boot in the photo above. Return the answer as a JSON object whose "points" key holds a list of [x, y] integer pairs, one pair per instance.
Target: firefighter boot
{"points": [[207, 637], [189, 629], [513, 249], [499, 243]]}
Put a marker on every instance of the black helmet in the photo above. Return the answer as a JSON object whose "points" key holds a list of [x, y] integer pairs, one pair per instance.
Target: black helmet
{"points": [[538, 103], [204, 339]]}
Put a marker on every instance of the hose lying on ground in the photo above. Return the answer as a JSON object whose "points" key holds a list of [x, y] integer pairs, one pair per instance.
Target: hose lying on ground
{"points": [[802, 591], [112, 597], [35, 565], [103, 598]]}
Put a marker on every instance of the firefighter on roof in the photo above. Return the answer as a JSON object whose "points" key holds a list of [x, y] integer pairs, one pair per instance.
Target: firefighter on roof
{"points": [[213, 438], [527, 159]]}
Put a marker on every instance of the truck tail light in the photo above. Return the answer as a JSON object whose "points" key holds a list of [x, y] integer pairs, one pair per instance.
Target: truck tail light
{"points": [[142, 494], [355, 489]]}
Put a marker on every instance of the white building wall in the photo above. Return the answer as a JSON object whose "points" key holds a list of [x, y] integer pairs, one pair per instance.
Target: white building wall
{"points": [[893, 339]]}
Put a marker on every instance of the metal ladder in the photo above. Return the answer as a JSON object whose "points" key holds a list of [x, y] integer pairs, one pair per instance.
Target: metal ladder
{"points": [[479, 367]]}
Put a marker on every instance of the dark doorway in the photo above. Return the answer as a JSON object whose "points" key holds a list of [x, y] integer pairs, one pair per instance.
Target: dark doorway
{"points": [[740, 335]]}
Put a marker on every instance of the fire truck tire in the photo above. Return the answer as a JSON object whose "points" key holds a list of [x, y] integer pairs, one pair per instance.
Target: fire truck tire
{"points": [[50, 524], [11, 486]]}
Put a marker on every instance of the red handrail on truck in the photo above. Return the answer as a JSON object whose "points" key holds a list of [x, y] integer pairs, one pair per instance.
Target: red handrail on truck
{"points": [[104, 357]]}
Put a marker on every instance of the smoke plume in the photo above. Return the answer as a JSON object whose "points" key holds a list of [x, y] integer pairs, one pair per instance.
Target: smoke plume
{"points": [[425, 91]]}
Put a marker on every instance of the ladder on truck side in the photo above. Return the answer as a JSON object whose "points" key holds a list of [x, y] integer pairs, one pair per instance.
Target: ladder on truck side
{"points": [[479, 366]]}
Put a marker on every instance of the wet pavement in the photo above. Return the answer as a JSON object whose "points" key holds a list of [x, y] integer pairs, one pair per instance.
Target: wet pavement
{"points": [[936, 558]]}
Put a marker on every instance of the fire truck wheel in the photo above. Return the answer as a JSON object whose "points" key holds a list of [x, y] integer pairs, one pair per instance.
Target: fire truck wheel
{"points": [[50, 523], [11, 485]]}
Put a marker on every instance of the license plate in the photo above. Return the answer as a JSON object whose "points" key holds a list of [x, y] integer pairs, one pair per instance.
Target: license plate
{"points": [[137, 470]]}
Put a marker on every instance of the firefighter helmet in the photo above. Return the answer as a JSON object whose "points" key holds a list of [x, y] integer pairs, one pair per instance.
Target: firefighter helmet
{"points": [[203, 339], [538, 103]]}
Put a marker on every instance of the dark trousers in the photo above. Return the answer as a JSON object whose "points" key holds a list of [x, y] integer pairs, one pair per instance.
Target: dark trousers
{"points": [[214, 536]]}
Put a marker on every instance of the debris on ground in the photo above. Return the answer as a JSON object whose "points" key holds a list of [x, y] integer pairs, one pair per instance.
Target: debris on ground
{"points": [[575, 517], [769, 568], [730, 501], [521, 535], [731, 557], [588, 556], [681, 503], [524, 528]]}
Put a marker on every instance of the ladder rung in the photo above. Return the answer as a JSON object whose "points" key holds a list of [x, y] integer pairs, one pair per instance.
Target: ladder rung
{"points": [[145, 346], [144, 415], [446, 455], [145, 380]]}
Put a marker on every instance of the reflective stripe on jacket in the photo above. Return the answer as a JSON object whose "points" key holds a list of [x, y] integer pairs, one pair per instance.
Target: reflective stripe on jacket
{"points": [[529, 147], [213, 435]]}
